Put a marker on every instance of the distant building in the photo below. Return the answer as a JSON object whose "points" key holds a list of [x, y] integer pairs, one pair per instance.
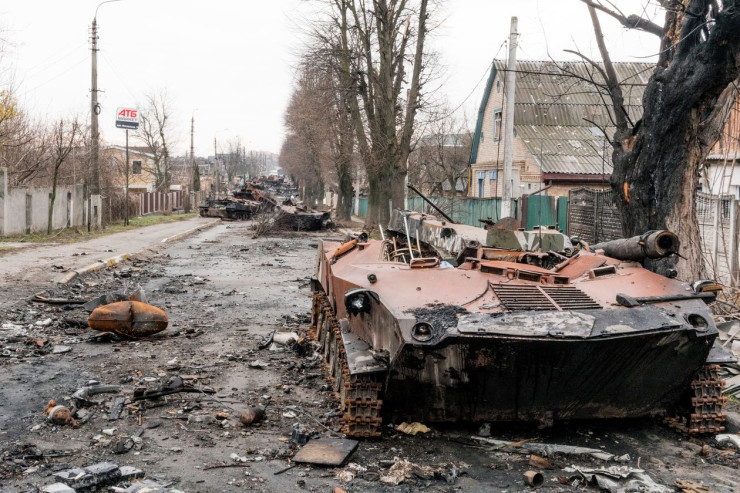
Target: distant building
{"points": [[559, 123], [140, 160], [141, 164], [721, 174]]}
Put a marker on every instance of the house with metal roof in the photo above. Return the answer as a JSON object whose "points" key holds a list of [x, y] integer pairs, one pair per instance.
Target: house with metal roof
{"points": [[563, 125], [721, 172]]}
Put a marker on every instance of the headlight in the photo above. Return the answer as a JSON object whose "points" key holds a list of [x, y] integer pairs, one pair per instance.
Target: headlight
{"points": [[422, 332], [358, 301], [698, 322]]}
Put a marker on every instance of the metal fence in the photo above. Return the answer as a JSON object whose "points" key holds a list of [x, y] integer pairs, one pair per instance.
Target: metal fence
{"points": [[463, 210], [593, 217], [717, 216]]}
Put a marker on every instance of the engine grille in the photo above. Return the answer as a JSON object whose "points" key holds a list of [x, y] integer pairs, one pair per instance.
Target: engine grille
{"points": [[533, 298]]}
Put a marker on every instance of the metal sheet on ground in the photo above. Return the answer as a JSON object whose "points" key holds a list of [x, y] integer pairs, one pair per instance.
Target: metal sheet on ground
{"points": [[326, 451]]}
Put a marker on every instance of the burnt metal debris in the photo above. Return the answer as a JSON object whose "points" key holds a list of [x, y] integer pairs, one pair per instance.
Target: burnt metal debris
{"points": [[271, 195], [445, 322], [129, 318]]}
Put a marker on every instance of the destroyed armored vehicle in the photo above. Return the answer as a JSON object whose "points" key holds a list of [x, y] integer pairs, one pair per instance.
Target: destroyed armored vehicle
{"points": [[229, 209], [441, 322], [302, 219]]}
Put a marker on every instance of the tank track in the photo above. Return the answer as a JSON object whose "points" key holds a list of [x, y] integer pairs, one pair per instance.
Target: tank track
{"points": [[707, 402], [359, 395]]}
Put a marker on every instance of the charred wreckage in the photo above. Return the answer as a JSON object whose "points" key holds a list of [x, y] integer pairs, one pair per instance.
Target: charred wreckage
{"points": [[271, 195], [446, 322]]}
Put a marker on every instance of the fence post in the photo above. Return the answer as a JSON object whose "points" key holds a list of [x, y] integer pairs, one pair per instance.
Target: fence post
{"points": [[4, 199], [733, 242], [715, 245]]}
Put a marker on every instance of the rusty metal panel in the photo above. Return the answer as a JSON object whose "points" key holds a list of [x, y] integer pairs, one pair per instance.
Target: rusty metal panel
{"points": [[326, 451]]}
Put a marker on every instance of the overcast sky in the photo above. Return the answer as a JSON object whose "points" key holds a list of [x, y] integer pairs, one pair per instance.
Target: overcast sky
{"points": [[230, 63]]}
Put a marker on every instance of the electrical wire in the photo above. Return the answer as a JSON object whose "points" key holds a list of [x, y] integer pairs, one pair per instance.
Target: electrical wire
{"points": [[45, 64], [68, 69], [486, 72], [117, 74]]}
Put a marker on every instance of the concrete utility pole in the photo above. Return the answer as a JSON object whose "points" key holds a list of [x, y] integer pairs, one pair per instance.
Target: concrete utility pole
{"points": [[94, 112], [94, 134], [215, 165], [192, 148], [509, 120]]}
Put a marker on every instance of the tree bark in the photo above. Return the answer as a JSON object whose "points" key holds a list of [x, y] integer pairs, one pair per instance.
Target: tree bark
{"points": [[657, 161]]}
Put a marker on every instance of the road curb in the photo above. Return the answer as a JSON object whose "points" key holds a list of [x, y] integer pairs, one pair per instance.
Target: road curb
{"points": [[110, 262]]}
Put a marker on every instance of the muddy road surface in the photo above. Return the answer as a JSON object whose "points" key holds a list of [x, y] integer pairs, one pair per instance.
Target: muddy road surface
{"points": [[225, 293]]}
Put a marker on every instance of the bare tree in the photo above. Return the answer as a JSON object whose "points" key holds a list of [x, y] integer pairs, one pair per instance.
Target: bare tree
{"points": [[235, 159], [304, 153], [440, 159], [65, 136], [155, 133], [376, 38], [335, 92], [657, 159]]}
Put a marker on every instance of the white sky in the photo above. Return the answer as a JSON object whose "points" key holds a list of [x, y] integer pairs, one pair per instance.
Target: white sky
{"points": [[231, 62]]}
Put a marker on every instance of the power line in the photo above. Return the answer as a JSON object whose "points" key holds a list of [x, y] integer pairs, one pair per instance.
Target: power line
{"points": [[486, 72], [55, 77]]}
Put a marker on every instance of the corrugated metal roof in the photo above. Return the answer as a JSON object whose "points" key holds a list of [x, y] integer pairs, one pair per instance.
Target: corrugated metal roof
{"points": [[567, 149], [558, 107], [721, 157], [559, 110], [570, 82], [568, 114]]}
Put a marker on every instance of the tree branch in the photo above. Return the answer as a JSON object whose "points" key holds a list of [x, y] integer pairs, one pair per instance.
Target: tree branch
{"points": [[631, 21]]}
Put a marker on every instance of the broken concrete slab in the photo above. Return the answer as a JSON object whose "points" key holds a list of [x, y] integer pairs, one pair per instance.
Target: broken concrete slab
{"points": [[130, 472], [87, 477], [57, 488], [146, 486], [70, 475]]}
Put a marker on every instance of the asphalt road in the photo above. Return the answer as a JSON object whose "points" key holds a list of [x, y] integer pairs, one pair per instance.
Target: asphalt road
{"points": [[223, 291], [35, 264]]}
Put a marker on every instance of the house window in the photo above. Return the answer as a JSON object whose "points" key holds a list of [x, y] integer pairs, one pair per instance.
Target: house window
{"points": [[493, 174], [136, 167], [481, 179], [497, 119], [498, 86]]}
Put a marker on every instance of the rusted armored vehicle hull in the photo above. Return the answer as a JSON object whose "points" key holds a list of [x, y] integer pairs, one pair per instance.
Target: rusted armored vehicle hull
{"points": [[407, 334], [229, 209], [495, 378], [300, 219]]}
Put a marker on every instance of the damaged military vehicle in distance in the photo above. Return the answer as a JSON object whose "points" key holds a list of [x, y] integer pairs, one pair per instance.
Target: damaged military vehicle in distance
{"points": [[445, 322]]}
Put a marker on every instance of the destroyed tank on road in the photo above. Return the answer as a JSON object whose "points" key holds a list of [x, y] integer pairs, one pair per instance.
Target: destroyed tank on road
{"points": [[441, 322]]}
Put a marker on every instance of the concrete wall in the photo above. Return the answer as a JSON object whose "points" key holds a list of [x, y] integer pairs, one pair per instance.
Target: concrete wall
{"points": [[26, 210], [3, 202]]}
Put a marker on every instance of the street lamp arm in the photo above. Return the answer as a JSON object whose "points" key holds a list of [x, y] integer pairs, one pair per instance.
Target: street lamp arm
{"points": [[101, 3]]}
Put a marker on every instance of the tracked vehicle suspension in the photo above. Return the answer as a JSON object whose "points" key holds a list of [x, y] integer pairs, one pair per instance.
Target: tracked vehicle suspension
{"points": [[359, 395], [707, 402]]}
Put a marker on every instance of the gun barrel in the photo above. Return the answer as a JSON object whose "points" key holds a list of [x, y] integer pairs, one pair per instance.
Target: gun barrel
{"points": [[654, 244]]}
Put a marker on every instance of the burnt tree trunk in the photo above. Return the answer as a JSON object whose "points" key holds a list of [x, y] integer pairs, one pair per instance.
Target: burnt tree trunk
{"points": [[657, 161]]}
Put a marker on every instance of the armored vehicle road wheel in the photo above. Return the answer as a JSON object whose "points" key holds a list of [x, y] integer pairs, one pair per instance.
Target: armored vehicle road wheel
{"points": [[359, 395]]}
